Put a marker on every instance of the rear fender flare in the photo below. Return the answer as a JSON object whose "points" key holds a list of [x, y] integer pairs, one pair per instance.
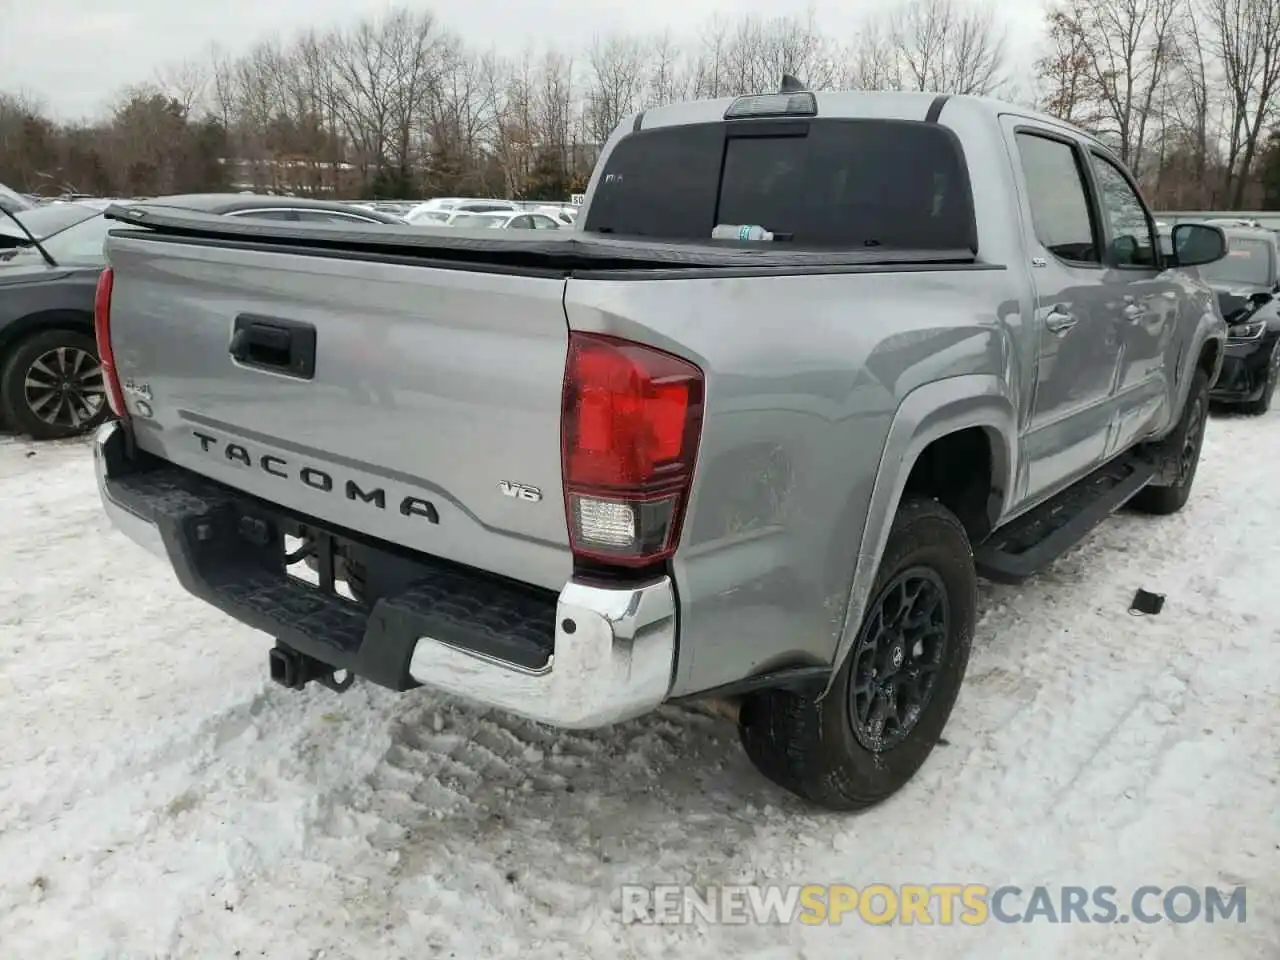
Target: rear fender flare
{"points": [[1208, 328], [928, 413]]}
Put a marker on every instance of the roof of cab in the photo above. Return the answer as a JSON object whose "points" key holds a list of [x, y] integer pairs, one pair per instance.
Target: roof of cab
{"points": [[851, 104]]}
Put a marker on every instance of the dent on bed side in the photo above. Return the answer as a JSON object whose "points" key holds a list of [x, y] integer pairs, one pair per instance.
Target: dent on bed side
{"points": [[931, 412]]}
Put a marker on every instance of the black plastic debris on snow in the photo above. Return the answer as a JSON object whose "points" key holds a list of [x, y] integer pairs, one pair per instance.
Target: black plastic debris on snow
{"points": [[1145, 603]]}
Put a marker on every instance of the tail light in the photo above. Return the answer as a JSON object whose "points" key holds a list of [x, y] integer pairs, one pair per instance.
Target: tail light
{"points": [[630, 427], [102, 332]]}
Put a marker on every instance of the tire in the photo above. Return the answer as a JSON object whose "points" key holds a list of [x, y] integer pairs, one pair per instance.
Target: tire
{"points": [[37, 360], [1256, 408], [809, 745], [1184, 442]]}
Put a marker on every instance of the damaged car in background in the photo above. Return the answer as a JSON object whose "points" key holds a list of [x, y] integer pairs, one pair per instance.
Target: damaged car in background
{"points": [[1247, 283]]}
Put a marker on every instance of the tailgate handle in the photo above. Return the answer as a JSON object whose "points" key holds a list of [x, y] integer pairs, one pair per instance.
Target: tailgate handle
{"points": [[275, 344]]}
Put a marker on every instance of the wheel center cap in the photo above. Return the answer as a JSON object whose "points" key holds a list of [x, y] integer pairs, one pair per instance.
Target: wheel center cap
{"points": [[897, 656]]}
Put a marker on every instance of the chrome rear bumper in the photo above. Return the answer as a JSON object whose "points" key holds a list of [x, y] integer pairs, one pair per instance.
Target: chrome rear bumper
{"points": [[611, 658]]}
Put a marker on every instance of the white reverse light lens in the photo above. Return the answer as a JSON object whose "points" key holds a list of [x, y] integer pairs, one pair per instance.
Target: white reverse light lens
{"points": [[605, 522]]}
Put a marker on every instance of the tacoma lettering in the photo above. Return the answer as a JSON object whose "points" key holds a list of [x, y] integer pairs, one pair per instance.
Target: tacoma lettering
{"points": [[315, 478]]}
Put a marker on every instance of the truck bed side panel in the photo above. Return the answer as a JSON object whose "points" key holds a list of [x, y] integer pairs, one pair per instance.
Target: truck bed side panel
{"points": [[804, 375]]}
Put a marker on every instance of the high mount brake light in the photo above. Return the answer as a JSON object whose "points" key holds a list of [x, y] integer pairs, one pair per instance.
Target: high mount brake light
{"points": [[630, 428], [102, 333], [799, 104]]}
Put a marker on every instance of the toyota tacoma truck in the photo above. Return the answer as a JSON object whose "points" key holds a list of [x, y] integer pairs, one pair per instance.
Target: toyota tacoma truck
{"points": [[581, 474]]}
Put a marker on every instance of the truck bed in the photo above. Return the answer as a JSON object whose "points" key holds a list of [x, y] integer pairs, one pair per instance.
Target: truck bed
{"points": [[555, 252]]}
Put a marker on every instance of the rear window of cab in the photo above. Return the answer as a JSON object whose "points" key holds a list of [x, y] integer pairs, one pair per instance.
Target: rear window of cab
{"points": [[899, 184]]}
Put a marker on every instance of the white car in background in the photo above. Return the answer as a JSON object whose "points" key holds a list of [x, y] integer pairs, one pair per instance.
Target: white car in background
{"points": [[425, 213], [428, 218], [566, 216], [517, 220], [504, 220]]}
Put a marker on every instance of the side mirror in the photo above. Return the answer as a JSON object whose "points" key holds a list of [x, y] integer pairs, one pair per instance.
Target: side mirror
{"points": [[1195, 244]]}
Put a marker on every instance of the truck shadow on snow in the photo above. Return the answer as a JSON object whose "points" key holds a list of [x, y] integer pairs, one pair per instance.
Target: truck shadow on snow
{"points": [[454, 775], [448, 773]]}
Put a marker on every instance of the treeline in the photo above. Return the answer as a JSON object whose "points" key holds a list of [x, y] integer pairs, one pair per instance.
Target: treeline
{"points": [[1188, 92]]}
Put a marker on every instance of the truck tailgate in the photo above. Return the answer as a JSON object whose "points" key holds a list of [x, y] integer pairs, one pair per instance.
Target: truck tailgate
{"points": [[431, 418]]}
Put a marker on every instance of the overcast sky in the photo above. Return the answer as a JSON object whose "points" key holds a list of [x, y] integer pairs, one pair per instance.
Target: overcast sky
{"points": [[74, 54]]}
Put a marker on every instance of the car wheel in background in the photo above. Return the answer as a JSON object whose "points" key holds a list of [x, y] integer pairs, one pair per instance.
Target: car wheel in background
{"points": [[1263, 403], [51, 385]]}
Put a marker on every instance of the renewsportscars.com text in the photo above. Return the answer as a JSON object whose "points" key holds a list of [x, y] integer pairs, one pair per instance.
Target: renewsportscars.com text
{"points": [[942, 904]]}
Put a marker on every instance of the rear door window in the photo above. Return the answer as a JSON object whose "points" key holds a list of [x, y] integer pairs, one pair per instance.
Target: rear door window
{"points": [[849, 183], [1060, 207]]}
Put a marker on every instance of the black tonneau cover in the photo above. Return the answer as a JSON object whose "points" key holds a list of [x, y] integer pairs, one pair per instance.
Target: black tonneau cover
{"points": [[563, 250]]}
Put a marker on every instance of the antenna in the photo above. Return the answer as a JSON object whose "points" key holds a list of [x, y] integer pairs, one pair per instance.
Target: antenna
{"points": [[791, 85]]}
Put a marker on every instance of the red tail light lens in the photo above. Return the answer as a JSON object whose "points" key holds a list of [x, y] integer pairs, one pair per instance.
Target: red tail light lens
{"points": [[102, 332], [632, 420]]}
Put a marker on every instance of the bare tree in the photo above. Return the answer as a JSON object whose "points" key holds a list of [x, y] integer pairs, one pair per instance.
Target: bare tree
{"points": [[669, 76], [758, 52], [1129, 48], [369, 97], [185, 81], [1190, 118], [710, 70], [395, 105], [616, 74], [514, 92], [1244, 36], [461, 120], [871, 62], [949, 47], [1063, 72], [556, 131]]}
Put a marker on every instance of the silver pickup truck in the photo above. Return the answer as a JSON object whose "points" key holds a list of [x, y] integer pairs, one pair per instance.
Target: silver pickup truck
{"points": [[578, 474]]}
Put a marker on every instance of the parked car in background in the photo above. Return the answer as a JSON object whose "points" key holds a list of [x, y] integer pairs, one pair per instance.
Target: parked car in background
{"points": [[1232, 222], [565, 216], [503, 221], [428, 218], [42, 222], [434, 205], [1247, 282], [396, 208], [50, 377], [485, 206], [459, 205], [13, 201]]}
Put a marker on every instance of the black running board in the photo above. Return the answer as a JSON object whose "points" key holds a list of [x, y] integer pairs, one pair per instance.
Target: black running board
{"points": [[1037, 538]]}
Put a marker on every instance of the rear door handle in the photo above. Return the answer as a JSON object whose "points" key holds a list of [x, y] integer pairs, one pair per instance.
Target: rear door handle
{"points": [[1059, 320], [273, 343]]}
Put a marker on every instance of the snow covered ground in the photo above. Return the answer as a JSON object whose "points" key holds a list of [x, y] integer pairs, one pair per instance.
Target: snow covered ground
{"points": [[160, 799]]}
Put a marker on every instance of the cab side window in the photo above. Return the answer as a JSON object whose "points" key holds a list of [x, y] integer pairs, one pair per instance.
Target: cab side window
{"points": [[1132, 241], [1059, 201]]}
